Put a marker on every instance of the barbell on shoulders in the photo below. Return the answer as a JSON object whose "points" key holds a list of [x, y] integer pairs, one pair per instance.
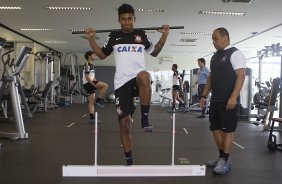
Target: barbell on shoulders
{"points": [[113, 30]]}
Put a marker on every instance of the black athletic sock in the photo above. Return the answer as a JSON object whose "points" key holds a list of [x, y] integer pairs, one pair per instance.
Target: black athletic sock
{"points": [[132, 112], [204, 111], [220, 153], [128, 157], [225, 156], [92, 116], [144, 115]]}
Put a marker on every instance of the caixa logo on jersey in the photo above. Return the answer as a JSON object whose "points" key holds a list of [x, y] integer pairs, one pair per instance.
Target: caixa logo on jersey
{"points": [[130, 49]]}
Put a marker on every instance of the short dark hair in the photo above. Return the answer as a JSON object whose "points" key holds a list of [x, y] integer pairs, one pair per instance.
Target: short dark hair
{"points": [[125, 8], [202, 60], [223, 32], [175, 66], [87, 54]]}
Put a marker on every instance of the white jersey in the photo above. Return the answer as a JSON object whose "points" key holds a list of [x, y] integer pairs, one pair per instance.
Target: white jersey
{"points": [[88, 68], [129, 53], [175, 78]]}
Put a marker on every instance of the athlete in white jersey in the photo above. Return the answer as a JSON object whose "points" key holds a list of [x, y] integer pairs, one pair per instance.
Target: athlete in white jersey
{"points": [[177, 87], [131, 79], [91, 84]]}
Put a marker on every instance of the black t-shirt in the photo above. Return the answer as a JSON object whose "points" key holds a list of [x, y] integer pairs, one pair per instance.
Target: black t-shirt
{"points": [[223, 75]]}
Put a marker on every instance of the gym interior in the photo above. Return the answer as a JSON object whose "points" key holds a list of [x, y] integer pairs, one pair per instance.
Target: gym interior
{"points": [[44, 127]]}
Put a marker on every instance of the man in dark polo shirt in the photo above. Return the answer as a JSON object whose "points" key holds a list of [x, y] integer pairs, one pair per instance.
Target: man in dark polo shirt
{"points": [[225, 81]]}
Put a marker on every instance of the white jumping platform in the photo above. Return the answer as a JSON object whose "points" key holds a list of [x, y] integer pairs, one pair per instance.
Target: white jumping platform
{"points": [[134, 170]]}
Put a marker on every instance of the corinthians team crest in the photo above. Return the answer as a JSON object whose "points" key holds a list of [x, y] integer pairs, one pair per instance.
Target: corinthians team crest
{"points": [[138, 38], [223, 59]]}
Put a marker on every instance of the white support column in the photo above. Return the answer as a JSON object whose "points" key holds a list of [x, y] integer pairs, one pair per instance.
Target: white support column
{"points": [[46, 70], [173, 138], [96, 140]]}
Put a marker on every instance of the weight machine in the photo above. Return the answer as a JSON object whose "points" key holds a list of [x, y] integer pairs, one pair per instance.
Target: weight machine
{"points": [[71, 80], [8, 65], [11, 80], [275, 89], [275, 50], [2, 43], [44, 78]]}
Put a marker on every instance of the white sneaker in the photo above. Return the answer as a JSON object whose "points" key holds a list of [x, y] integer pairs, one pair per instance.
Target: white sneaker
{"points": [[222, 167], [213, 163]]}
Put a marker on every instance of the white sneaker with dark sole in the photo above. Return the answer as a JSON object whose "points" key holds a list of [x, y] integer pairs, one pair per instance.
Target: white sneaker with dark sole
{"points": [[149, 128], [99, 104], [222, 167], [92, 121], [212, 163]]}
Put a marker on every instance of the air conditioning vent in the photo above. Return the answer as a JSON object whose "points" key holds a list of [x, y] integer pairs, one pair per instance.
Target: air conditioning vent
{"points": [[239, 1], [188, 39], [167, 59], [9, 45]]}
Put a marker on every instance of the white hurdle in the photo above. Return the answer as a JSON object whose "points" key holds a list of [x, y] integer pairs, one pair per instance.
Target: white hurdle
{"points": [[134, 170]]}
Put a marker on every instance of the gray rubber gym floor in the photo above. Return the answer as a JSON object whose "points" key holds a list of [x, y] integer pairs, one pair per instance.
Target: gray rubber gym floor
{"points": [[63, 136]]}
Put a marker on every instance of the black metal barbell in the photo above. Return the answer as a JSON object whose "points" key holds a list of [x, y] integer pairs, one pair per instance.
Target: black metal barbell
{"points": [[113, 30]]}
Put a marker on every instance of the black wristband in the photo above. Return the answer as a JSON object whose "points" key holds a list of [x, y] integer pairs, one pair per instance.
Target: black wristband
{"points": [[203, 97]]}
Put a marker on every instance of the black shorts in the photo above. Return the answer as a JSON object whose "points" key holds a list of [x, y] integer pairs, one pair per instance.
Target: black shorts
{"points": [[176, 87], [124, 98], [220, 119], [201, 88], [89, 87]]}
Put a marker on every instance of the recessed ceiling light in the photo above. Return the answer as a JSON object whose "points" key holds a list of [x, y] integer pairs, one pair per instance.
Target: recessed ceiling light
{"points": [[35, 29], [222, 13], [149, 10], [74, 30], [195, 33], [56, 42], [10, 8], [70, 8], [181, 45]]}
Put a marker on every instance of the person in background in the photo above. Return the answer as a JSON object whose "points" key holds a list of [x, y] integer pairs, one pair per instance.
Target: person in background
{"points": [[203, 73], [91, 84], [177, 87]]}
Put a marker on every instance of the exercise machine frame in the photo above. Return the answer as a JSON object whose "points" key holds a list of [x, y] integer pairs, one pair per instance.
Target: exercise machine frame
{"points": [[13, 89]]}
